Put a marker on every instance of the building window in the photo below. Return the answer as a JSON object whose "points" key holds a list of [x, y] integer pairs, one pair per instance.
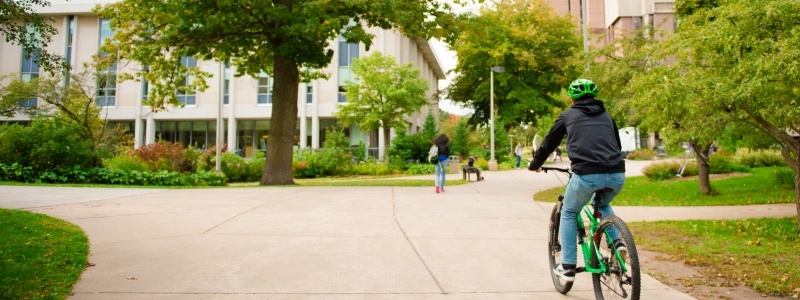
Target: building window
{"points": [[309, 93], [264, 89], [145, 84], [185, 95], [637, 23], [227, 83], [107, 78], [70, 38], [29, 71], [347, 53]]}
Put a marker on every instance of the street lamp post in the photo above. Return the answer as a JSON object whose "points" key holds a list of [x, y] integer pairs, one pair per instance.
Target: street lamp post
{"points": [[498, 69]]}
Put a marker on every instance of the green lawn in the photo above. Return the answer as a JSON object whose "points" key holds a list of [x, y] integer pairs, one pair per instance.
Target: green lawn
{"points": [[763, 254], [40, 257], [757, 187]]}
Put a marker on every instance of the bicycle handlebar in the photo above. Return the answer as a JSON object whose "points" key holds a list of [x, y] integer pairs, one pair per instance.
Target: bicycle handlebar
{"points": [[545, 169]]}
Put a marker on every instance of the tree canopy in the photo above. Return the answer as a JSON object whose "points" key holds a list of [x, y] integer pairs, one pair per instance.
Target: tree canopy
{"points": [[534, 45], [286, 38], [21, 25], [383, 94]]}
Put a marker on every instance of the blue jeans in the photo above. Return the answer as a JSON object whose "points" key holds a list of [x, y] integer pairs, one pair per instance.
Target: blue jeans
{"points": [[519, 160], [441, 169], [579, 192]]}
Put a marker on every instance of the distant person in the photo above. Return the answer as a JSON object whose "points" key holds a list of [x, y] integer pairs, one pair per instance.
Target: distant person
{"points": [[518, 154], [443, 143], [557, 155], [472, 168], [595, 152]]}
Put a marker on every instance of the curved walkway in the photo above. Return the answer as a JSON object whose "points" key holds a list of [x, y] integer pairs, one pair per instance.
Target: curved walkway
{"points": [[481, 240]]}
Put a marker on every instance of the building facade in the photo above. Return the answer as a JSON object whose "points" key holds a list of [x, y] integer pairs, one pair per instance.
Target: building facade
{"points": [[244, 103], [609, 18]]}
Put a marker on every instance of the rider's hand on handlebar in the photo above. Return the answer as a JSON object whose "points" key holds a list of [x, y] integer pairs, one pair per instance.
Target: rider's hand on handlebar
{"points": [[529, 168]]}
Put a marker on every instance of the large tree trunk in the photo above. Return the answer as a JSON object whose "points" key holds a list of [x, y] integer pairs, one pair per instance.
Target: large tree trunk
{"points": [[701, 153], [278, 166]]}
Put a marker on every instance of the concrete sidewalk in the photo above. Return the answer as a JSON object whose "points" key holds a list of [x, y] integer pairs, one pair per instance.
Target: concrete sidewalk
{"points": [[482, 240]]}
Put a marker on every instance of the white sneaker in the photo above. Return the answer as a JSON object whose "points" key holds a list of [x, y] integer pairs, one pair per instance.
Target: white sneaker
{"points": [[567, 275]]}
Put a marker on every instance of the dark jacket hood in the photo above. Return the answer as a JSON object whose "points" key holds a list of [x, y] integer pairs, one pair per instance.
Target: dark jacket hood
{"points": [[590, 106]]}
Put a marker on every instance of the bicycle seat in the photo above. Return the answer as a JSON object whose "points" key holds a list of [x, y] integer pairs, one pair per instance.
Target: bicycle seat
{"points": [[603, 190]]}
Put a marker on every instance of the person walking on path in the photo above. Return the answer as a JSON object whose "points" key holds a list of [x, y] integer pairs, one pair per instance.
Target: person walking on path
{"points": [[518, 154], [443, 144], [595, 152]]}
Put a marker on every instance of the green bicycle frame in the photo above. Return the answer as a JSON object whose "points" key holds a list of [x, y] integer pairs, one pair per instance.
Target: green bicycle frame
{"points": [[588, 246]]}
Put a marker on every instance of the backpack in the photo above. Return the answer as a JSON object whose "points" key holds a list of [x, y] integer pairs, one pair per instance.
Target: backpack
{"points": [[433, 154]]}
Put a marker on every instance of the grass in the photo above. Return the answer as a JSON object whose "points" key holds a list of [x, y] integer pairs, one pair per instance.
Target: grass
{"points": [[40, 257], [763, 254], [754, 188]]}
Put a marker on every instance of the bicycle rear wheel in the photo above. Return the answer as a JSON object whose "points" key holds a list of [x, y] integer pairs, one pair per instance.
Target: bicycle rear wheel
{"points": [[554, 250], [616, 283]]}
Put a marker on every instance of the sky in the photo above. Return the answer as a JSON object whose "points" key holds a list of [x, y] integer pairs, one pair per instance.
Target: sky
{"points": [[448, 60]]}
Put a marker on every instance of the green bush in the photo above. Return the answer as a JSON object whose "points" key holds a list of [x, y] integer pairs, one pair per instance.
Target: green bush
{"points": [[411, 147], [420, 169], [370, 168], [255, 167], [234, 167], [125, 163], [76, 174], [320, 163], [45, 144], [661, 171], [784, 176], [758, 158], [642, 154]]}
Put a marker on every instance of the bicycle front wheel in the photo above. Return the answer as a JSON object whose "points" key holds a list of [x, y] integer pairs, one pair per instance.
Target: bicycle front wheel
{"points": [[622, 279], [554, 250]]}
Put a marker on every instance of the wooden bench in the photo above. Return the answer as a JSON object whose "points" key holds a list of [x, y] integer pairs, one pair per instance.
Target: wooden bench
{"points": [[466, 170]]}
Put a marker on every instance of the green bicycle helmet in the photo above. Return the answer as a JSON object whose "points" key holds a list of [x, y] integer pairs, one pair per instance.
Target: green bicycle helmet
{"points": [[581, 88]]}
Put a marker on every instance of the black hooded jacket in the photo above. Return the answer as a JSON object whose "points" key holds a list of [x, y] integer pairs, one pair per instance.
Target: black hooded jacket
{"points": [[593, 143]]}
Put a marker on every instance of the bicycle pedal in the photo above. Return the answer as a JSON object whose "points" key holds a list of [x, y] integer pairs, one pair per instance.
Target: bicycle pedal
{"points": [[580, 270]]}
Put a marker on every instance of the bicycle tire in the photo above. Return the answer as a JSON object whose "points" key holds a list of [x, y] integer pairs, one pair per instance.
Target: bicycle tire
{"points": [[612, 284], [554, 250]]}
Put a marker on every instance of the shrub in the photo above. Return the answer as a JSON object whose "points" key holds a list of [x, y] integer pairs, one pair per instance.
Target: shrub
{"points": [[255, 167], [661, 171], [45, 144], [758, 158], [420, 169], [125, 163], [718, 164], [482, 163], [642, 154], [370, 168], [784, 176], [164, 156], [320, 163]]}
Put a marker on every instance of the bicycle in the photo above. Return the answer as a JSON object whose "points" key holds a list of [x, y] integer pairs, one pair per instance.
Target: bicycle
{"points": [[615, 275]]}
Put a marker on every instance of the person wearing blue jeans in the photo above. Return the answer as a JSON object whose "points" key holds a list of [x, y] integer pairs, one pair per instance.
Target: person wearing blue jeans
{"points": [[443, 143], [595, 152]]}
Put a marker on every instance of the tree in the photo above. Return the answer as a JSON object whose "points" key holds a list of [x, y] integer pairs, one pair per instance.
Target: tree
{"points": [[21, 25], [532, 42], [429, 129], [74, 103], [286, 38], [383, 95], [460, 144], [736, 62]]}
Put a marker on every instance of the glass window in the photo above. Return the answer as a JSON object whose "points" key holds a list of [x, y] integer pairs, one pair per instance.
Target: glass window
{"points": [[309, 93], [187, 97], [106, 79], [29, 71], [265, 89]]}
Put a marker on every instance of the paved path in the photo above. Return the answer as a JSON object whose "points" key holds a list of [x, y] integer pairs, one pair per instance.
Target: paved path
{"points": [[482, 240]]}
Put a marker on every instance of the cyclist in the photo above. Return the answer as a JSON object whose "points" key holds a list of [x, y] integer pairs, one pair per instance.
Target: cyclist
{"points": [[595, 152]]}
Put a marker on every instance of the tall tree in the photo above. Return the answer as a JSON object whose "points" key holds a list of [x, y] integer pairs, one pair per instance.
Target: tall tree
{"points": [[735, 62], [21, 25], [383, 95], [286, 38], [532, 42]]}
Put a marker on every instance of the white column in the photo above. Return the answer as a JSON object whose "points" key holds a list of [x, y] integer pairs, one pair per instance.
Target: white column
{"points": [[381, 143], [150, 136], [75, 44], [232, 144], [302, 112], [315, 117], [137, 123]]}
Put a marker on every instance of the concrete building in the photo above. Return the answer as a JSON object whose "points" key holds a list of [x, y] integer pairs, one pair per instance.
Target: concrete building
{"points": [[609, 18], [246, 107]]}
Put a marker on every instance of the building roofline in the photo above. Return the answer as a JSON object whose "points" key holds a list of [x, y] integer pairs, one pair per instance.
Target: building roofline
{"points": [[430, 56]]}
